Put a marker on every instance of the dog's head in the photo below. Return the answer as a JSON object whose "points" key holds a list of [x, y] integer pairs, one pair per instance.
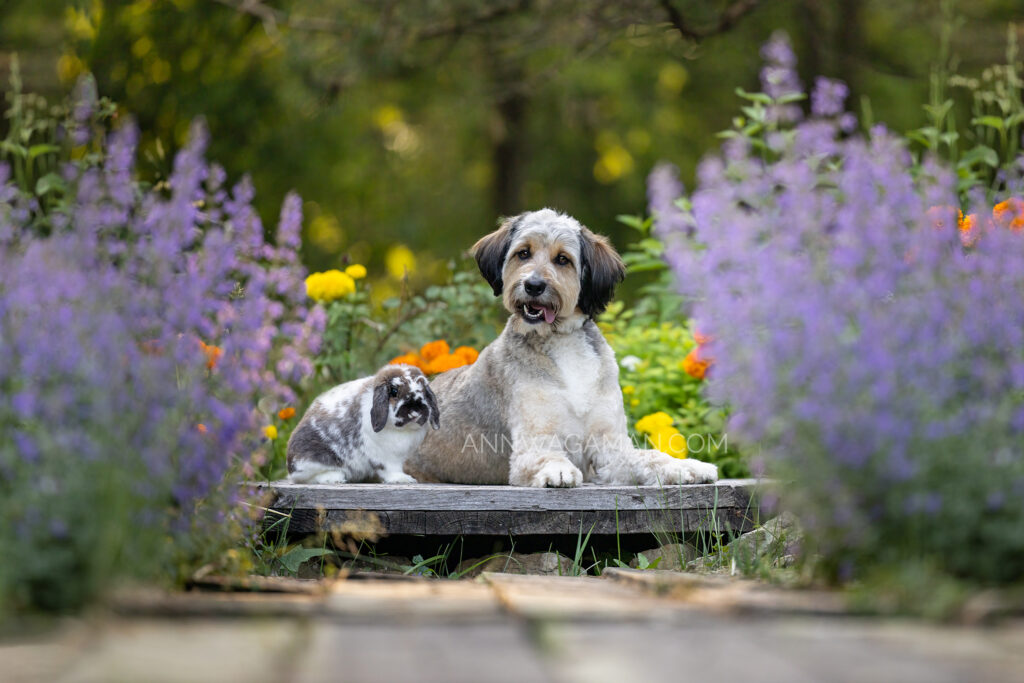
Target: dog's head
{"points": [[548, 268], [402, 395]]}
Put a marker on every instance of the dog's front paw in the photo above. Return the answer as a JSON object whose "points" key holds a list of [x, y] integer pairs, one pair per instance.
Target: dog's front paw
{"points": [[557, 474], [686, 471], [398, 478]]}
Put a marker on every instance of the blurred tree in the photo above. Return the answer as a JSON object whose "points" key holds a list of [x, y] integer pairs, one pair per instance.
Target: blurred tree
{"points": [[418, 123]]}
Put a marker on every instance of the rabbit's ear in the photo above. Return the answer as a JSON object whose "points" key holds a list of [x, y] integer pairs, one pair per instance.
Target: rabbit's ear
{"points": [[379, 411], [435, 412]]}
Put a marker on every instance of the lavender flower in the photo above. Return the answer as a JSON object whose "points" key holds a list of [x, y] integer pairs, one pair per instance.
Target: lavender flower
{"points": [[133, 364], [828, 97], [872, 358], [779, 77]]}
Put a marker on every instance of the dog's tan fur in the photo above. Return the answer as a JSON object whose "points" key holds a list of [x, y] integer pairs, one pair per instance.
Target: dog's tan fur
{"points": [[542, 404]]}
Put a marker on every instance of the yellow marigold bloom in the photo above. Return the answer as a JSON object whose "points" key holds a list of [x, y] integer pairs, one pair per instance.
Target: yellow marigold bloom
{"points": [[356, 271], [668, 440], [653, 422], [270, 431], [329, 285], [634, 403], [286, 413], [409, 359], [432, 350], [399, 260], [467, 353], [628, 390]]}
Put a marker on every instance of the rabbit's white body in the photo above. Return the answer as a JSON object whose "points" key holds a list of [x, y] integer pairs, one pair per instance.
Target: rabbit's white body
{"points": [[351, 434]]}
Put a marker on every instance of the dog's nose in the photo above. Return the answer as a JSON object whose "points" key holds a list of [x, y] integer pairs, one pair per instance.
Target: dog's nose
{"points": [[535, 286]]}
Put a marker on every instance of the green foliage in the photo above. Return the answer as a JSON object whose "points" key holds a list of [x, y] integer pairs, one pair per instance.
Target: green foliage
{"points": [[43, 136], [360, 337], [978, 127], [650, 343]]}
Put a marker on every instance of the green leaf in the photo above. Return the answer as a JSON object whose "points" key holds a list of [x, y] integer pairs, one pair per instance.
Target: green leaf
{"points": [[50, 182], [754, 96], [296, 556], [635, 222], [979, 154], [990, 121], [13, 148], [36, 150], [791, 97]]}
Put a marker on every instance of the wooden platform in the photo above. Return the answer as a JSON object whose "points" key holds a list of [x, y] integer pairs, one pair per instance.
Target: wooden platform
{"points": [[441, 509]]}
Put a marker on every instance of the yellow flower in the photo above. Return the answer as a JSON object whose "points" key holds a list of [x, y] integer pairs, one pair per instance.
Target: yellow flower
{"points": [[668, 440], [270, 431], [356, 271], [399, 260], [649, 424], [628, 390], [634, 403], [329, 285]]}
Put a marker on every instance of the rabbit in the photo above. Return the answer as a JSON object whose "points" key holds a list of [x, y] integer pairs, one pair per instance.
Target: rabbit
{"points": [[363, 430]]}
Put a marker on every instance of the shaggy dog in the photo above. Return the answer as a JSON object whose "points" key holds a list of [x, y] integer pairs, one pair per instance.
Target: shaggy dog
{"points": [[542, 405]]}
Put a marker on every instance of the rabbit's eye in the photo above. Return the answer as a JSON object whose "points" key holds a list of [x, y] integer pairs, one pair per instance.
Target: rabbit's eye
{"points": [[393, 391]]}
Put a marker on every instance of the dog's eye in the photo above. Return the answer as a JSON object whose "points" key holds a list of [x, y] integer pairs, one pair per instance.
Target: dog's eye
{"points": [[393, 391], [523, 254], [562, 260]]}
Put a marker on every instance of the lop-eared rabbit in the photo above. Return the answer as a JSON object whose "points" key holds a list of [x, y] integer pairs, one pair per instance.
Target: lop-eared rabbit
{"points": [[363, 430]]}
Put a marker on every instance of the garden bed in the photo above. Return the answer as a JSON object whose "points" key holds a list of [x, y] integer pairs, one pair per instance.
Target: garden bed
{"points": [[451, 509]]}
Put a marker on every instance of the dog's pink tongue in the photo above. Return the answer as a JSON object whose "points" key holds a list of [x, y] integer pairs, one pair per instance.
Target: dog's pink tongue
{"points": [[549, 314]]}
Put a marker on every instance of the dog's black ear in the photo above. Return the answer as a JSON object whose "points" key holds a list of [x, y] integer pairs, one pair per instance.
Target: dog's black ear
{"points": [[602, 269], [490, 251], [379, 410], [435, 412]]}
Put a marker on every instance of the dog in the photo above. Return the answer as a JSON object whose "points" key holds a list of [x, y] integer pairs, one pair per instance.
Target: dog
{"points": [[542, 404]]}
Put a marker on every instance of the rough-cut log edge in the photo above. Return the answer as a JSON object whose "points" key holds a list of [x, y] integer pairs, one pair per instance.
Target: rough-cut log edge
{"points": [[727, 493]]}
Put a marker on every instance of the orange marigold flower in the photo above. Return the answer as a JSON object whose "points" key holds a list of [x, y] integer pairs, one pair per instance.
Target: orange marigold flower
{"points": [[201, 428], [1009, 214], [433, 349], [694, 366], [408, 359], [467, 353], [213, 353], [443, 364], [967, 227], [286, 413]]}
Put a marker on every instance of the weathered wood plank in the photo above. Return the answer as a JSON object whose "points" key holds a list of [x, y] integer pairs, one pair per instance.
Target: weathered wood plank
{"points": [[374, 510], [373, 523], [729, 493]]}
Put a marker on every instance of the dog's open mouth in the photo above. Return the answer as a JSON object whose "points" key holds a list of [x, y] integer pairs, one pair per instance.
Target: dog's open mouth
{"points": [[535, 313]]}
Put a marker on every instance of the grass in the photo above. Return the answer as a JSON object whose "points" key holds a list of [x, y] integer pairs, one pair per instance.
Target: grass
{"points": [[707, 549]]}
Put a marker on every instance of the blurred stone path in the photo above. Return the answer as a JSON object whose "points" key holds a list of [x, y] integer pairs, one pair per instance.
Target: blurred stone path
{"points": [[625, 626]]}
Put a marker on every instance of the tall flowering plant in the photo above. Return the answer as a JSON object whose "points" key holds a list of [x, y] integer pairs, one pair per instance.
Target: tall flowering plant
{"points": [[874, 357], [137, 334]]}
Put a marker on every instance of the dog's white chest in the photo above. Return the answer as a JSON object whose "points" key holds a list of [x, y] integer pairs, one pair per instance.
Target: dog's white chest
{"points": [[579, 369]]}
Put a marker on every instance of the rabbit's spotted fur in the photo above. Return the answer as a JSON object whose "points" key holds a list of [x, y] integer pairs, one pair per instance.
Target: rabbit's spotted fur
{"points": [[363, 430]]}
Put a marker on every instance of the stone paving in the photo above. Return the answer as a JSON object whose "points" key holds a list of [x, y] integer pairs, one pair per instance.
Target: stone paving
{"points": [[626, 626]]}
